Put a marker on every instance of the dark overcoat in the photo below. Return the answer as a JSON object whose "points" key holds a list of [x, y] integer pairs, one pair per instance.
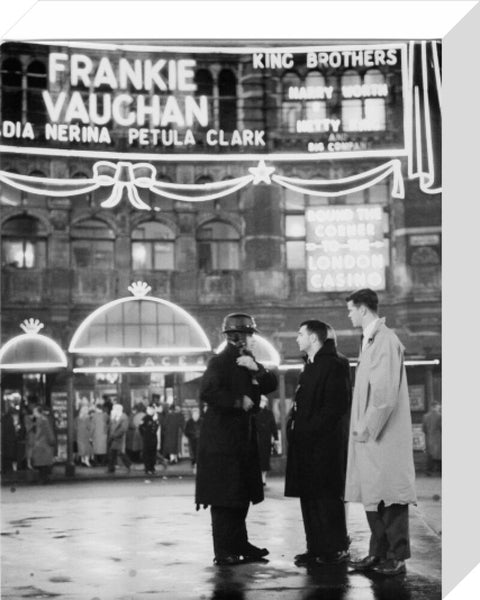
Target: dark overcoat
{"points": [[173, 424], [228, 468], [148, 430], [266, 429], [317, 428], [43, 443]]}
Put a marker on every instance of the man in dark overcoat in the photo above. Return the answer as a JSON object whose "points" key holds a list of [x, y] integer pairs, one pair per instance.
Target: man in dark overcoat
{"points": [[228, 468], [317, 434]]}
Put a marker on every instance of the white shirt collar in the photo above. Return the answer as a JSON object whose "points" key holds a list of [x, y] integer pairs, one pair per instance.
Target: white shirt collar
{"points": [[367, 332]]}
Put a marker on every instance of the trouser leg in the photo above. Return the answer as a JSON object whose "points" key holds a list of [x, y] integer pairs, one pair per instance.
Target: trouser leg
{"points": [[389, 531], [125, 459], [229, 530], [429, 463], [112, 459], [325, 524], [149, 459]]}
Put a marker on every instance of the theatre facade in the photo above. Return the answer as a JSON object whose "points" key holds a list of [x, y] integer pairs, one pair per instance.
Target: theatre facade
{"points": [[269, 178]]}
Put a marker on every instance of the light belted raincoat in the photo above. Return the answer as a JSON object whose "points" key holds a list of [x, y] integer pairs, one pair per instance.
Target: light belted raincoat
{"points": [[380, 455]]}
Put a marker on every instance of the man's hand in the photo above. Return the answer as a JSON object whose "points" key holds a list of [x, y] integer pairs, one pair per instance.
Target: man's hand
{"points": [[247, 403], [248, 362]]}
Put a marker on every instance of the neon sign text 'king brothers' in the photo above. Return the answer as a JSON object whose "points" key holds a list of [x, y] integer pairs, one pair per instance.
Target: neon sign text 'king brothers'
{"points": [[162, 75]]}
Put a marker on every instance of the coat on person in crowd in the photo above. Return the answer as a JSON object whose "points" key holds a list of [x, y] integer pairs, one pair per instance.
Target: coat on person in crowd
{"points": [[228, 468], [84, 432], [117, 430], [43, 440], [173, 423], [266, 432], [192, 433], [148, 430], [134, 439], [9, 441], [317, 429], [100, 421], [29, 423], [381, 468], [432, 427]]}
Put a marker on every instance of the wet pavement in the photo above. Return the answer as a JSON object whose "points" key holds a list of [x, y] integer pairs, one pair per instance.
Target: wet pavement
{"points": [[133, 538]]}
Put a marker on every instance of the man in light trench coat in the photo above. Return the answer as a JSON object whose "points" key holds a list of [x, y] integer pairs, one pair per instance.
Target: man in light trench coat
{"points": [[380, 470]]}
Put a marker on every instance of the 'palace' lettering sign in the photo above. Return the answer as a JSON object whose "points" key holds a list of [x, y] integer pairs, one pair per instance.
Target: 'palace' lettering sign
{"points": [[140, 362], [333, 100]]}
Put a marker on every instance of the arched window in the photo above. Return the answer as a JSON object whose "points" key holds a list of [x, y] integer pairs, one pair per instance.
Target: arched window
{"points": [[92, 245], [316, 108], [218, 246], [153, 247], [24, 243], [36, 83], [291, 106], [11, 90], [227, 91]]}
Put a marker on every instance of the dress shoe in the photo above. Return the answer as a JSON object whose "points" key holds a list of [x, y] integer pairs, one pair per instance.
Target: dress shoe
{"points": [[391, 567], [333, 558], [252, 551], [366, 564], [306, 558], [228, 560]]}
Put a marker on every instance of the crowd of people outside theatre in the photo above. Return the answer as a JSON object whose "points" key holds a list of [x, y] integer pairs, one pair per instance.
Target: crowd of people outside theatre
{"points": [[104, 434]]}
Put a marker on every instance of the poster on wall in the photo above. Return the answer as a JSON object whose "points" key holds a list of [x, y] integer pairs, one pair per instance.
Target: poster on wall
{"points": [[418, 438], [417, 397], [59, 402]]}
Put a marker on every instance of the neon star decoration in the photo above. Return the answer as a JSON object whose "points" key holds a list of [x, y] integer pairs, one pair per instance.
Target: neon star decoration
{"points": [[261, 173]]}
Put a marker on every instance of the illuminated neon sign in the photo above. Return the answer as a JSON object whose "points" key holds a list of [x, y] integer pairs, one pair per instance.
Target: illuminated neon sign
{"points": [[168, 332], [31, 351], [122, 363], [346, 248], [98, 99]]}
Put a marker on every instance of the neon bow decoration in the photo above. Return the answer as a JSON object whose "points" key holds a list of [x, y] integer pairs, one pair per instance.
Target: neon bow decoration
{"points": [[124, 176], [132, 177]]}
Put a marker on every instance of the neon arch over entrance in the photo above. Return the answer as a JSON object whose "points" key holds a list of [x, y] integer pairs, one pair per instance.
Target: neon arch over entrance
{"points": [[32, 352], [139, 324]]}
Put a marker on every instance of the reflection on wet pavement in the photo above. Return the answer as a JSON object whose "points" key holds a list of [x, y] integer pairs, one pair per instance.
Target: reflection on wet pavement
{"points": [[126, 543]]}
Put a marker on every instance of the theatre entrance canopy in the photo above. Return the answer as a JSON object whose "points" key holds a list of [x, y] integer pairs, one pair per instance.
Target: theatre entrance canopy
{"points": [[139, 334], [32, 352]]}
